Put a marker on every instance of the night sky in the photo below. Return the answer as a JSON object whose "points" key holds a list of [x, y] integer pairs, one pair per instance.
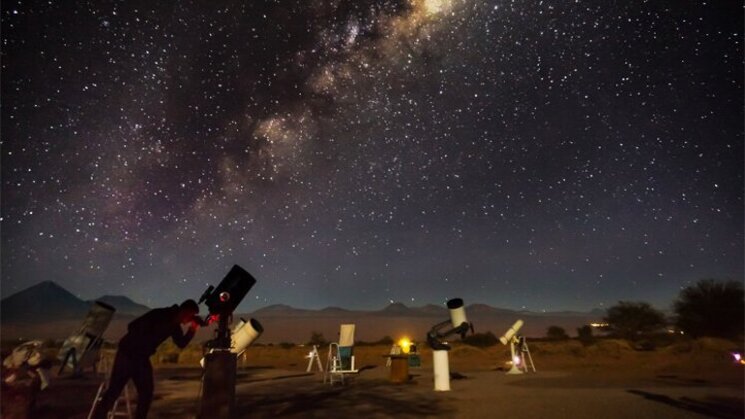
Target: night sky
{"points": [[546, 155]]}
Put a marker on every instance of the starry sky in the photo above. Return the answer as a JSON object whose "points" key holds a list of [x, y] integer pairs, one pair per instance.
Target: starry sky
{"points": [[540, 155]]}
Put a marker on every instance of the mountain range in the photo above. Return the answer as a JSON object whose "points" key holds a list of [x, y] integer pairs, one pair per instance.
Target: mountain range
{"points": [[47, 310], [47, 300]]}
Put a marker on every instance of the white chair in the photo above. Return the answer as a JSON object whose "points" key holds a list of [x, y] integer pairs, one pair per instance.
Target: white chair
{"points": [[340, 358]]}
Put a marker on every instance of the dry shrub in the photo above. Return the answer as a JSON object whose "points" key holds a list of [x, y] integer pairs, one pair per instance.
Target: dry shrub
{"points": [[713, 345], [566, 347], [166, 353], [465, 350], [679, 348], [614, 348], [191, 355], [481, 340]]}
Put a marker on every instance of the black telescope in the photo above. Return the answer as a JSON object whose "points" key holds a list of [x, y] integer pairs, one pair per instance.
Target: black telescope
{"points": [[223, 300], [218, 381], [230, 292]]}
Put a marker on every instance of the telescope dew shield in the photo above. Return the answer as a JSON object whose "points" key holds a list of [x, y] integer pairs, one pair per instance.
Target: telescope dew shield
{"points": [[505, 339], [230, 292], [244, 334], [457, 312]]}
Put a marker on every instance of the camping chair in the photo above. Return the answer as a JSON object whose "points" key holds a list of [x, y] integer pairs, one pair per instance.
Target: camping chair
{"points": [[340, 359]]}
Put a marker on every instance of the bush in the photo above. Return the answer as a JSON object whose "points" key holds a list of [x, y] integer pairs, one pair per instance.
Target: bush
{"points": [[316, 338], [385, 340], [644, 345], [191, 355], [481, 340], [630, 320], [286, 345], [584, 335], [556, 333], [711, 308]]}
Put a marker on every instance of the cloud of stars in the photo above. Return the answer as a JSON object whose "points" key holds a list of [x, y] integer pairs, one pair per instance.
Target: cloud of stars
{"points": [[549, 156]]}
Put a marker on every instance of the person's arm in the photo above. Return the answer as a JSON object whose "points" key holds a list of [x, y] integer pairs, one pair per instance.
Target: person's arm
{"points": [[182, 339]]}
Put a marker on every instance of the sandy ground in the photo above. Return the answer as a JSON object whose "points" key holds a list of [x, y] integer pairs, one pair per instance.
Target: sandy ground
{"points": [[673, 383]]}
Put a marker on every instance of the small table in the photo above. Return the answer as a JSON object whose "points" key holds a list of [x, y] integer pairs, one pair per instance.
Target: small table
{"points": [[399, 368]]}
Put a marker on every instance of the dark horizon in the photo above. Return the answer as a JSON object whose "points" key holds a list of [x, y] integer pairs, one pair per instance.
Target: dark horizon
{"points": [[249, 308], [355, 153]]}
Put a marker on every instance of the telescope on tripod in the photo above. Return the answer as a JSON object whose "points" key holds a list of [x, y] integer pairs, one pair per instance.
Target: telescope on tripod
{"points": [[518, 349]]}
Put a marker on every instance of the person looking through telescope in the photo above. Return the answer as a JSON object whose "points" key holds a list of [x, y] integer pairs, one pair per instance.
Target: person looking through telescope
{"points": [[144, 335]]}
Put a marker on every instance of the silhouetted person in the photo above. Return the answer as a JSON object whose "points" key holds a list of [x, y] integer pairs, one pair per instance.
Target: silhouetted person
{"points": [[144, 334]]}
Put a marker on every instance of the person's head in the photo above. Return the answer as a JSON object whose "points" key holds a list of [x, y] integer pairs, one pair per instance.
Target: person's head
{"points": [[187, 311]]}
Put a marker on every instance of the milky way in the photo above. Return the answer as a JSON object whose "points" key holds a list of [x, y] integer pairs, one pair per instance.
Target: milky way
{"points": [[540, 155]]}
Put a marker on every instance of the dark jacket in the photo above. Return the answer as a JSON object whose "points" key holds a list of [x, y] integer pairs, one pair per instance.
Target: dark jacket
{"points": [[146, 332]]}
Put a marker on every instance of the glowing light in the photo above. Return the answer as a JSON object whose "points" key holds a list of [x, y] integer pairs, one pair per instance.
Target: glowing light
{"points": [[405, 345], [516, 360], [737, 356], [433, 7]]}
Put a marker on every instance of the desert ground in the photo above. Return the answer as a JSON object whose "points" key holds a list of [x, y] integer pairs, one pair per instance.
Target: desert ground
{"points": [[608, 379]]}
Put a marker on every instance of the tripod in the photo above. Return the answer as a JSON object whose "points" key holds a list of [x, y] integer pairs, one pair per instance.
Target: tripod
{"points": [[519, 364]]}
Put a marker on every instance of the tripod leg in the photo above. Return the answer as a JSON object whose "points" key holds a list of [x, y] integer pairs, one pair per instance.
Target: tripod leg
{"points": [[531, 360], [96, 400]]}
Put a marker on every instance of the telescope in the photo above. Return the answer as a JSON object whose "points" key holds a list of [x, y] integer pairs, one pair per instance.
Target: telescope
{"points": [[218, 381], [511, 332], [223, 300], [80, 350], [517, 357], [457, 325]]}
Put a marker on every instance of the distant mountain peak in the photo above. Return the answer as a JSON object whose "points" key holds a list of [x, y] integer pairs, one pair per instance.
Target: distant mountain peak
{"points": [[433, 308], [46, 287], [48, 284], [41, 300], [278, 308], [396, 309], [333, 309], [480, 308], [123, 304]]}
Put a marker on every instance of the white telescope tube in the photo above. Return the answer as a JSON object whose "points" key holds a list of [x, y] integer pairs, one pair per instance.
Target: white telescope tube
{"points": [[244, 334], [505, 339], [457, 312]]}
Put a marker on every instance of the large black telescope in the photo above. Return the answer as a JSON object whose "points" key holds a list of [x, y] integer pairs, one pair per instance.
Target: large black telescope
{"points": [[223, 300], [218, 382]]}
